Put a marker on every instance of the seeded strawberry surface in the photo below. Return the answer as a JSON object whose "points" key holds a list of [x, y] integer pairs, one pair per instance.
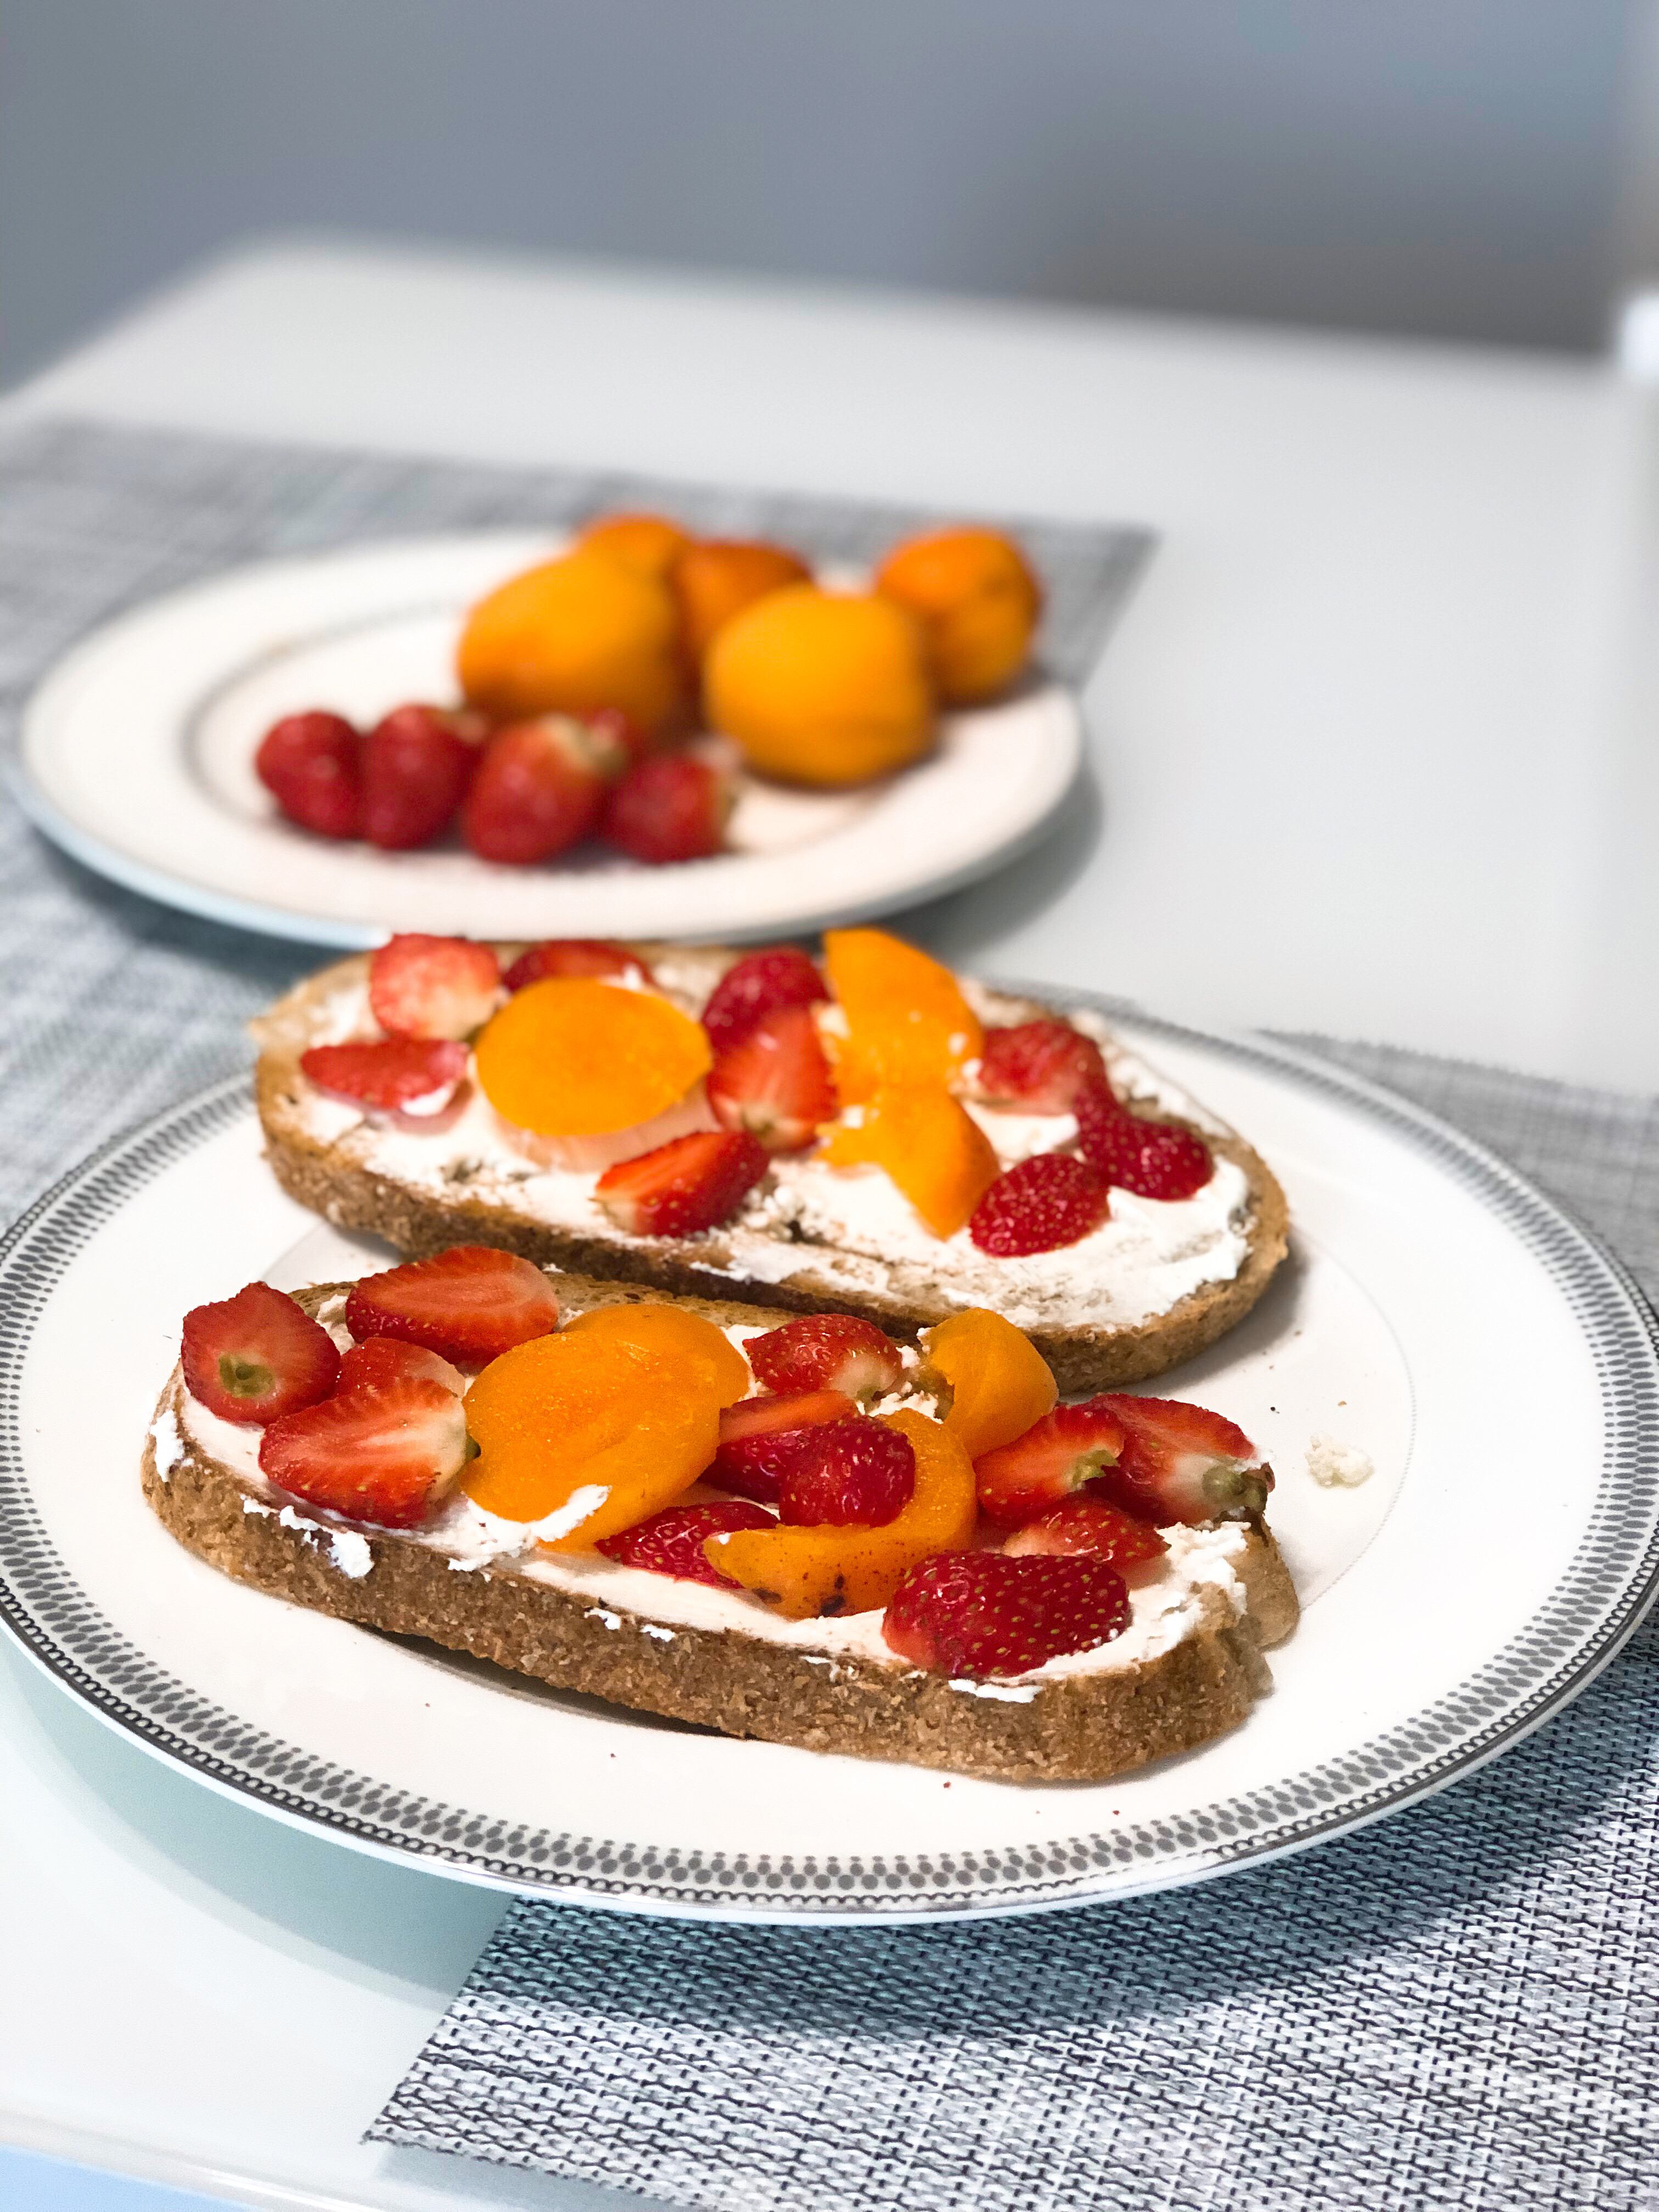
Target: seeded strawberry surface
{"points": [[470, 1304], [827, 1352], [1038, 1067], [433, 986], [690, 1184], [756, 1438], [1084, 1523], [774, 1082], [760, 983], [417, 763], [971, 1615], [253, 1358], [846, 1473], [669, 807], [670, 1542], [1154, 1159], [537, 790], [390, 1075], [1039, 1205], [312, 767]]}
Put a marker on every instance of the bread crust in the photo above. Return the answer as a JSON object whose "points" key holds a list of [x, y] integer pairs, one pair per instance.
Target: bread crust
{"points": [[1083, 1357]]}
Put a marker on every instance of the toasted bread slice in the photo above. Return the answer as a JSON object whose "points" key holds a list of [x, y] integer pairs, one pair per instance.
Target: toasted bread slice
{"points": [[1189, 1669], [1155, 1285]]}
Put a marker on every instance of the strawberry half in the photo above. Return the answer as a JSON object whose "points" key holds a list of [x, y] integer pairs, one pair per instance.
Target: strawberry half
{"points": [[1181, 1463], [394, 1075], [1087, 1524], [1040, 1204], [971, 1614], [827, 1352], [256, 1356], [1154, 1159], [1056, 1456], [670, 1542], [391, 1360], [1038, 1067], [470, 1304], [683, 1186], [752, 1451], [538, 789], [774, 1082], [312, 767], [670, 806], [854, 1473], [388, 1453], [417, 763], [575, 956], [433, 986], [759, 984]]}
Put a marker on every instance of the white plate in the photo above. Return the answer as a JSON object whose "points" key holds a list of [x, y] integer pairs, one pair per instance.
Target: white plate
{"points": [[1438, 1314], [137, 752]]}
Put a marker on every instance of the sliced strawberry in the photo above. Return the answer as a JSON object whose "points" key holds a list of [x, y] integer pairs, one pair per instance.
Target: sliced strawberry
{"points": [[1056, 1456], [256, 1356], [538, 789], [757, 1438], [759, 984], [1181, 1462], [417, 763], [391, 1360], [670, 1542], [827, 1352], [1040, 1204], [846, 1474], [1154, 1159], [971, 1614], [395, 1075], [1085, 1523], [774, 1082], [688, 1185], [575, 956], [312, 767], [433, 986], [388, 1453], [1038, 1067], [470, 1304], [670, 806]]}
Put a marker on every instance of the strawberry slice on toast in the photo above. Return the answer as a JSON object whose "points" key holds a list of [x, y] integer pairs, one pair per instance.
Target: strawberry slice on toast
{"points": [[433, 986], [1053, 1458], [1181, 1463], [774, 1082], [416, 1076], [827, 1352], [256, 1356], [386, 1453], [470, 1304], [689, 1184], [670, 1542], [974, 1614]]}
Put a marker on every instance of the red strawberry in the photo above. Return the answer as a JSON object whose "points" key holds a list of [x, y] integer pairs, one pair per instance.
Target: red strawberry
{"points": [[1180, 1462], [1083, 1523], [397, 1075], [1038, 1206], [417, 763], [470, 1304], [1038, 1066], [433, 986], [827, 1352], [760, 983], [775, 1081], [690, 1184], [388, 1453], [968, 1615], [254, 1357], [758, 1438], [846, 1474], [1056, 1456], [575, 955], [621, 731], [312, 765], [671, 1543], [538, 789], [390, 1359], [670, 806], [1154, 1159]]}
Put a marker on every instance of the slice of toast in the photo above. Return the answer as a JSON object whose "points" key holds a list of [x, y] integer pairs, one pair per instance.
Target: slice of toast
{"points": [[1189, 1668], [1157, 1284]]}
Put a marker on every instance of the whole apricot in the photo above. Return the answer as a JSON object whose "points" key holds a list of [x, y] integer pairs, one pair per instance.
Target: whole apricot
{"points": [[574, 637], [821, 688], [716, 578], [650, 543], [977, 601]]}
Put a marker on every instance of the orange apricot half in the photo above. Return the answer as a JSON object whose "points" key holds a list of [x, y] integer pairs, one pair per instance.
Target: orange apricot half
{"points": [[1000, 1382], [906, 1019], [929, 1145], [977, 601], [574, 1056], [677, 1332], [649, 543]]}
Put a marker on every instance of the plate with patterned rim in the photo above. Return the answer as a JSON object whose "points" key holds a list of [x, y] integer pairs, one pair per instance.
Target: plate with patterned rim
{"points": [[1437, 1313]]}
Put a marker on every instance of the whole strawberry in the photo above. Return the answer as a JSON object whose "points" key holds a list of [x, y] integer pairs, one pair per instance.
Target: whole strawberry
{"points": [[417, 763], [973, 1614], [670, 806], [538, 789], [312, 767]]}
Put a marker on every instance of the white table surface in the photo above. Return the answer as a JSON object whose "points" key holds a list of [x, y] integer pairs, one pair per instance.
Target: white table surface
{"points": [[1375, 752]]}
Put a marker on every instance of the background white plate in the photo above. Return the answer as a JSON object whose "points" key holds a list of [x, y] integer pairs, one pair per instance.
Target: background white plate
{"points": [[1438, 1313], [138, 753]]}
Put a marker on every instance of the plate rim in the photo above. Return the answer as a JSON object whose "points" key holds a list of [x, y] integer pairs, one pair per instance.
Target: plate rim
{"points": [[60, 1629]]}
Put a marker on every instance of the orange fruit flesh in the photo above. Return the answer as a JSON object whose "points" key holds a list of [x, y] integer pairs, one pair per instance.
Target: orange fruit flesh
{"points": [[1000, 1383], [907, 1020], [576, 1057], [930, 1146], [803, 1572], [675, 1333]]}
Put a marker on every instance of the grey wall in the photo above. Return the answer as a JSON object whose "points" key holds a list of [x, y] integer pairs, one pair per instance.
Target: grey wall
{"points": [[1425, 166]]}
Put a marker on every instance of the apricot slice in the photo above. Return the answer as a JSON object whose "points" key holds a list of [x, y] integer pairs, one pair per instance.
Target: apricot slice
{"points": [[930, 1146], [806, 1571], [906, 1019], [1000, 1383], [977, 601], [821, 688], [717, 578], [673, 1331], [649, 543], [599, 1431], [574, 636], [577, 1057]]}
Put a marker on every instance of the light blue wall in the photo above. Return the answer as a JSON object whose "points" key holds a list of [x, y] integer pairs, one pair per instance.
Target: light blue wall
{"points": [[1438, 165]]}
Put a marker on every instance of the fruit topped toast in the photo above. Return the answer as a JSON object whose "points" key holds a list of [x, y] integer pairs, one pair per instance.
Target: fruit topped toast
{"points": [[864, 1132], [794, 1529]]}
